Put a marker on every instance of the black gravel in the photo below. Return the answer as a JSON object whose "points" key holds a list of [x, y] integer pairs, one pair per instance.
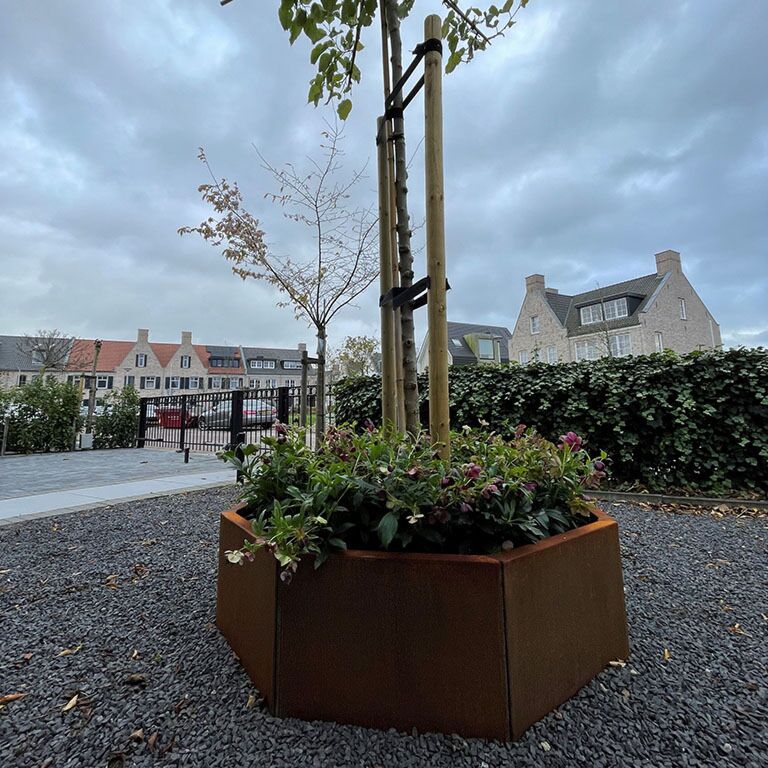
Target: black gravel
{"points": [[149, 659]]}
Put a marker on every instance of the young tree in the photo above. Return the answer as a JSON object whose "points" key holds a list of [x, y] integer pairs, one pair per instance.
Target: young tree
{"points": [[343, 262], [49, 349], [358, 355], [335, 29]]}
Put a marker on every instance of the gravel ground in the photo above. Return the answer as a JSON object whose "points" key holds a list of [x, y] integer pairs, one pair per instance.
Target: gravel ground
{"points": [[116, 606]]}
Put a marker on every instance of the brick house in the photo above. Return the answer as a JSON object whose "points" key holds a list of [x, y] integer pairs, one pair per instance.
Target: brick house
{"points": [[635, 317], [470, 344], [268, 367]]}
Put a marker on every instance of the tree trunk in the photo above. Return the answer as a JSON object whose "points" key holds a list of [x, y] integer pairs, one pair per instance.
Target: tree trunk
{"points": [[320, 388], [410, 385]]}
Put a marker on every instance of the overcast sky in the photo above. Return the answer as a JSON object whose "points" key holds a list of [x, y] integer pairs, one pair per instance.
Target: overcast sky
{"points": [[594, 135]]}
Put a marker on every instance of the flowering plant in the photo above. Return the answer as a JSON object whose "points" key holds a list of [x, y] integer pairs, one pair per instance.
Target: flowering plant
{"points": [[379, 490]]}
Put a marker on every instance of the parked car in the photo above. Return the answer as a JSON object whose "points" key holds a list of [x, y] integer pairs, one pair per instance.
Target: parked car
{"points": [[256, 413], [97, 411]]}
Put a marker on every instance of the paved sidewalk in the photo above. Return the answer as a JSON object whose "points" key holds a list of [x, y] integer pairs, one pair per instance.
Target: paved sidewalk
{"points": [[45, 484]]}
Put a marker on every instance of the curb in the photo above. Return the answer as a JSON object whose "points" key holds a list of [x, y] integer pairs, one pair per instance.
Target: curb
{"points": [[692, 501]]}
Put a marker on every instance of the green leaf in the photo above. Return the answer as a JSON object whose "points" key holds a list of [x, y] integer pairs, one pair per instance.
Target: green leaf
{"points": [[338, 543], [344, 108], [454, 60], [387, 529], [285, 14], [312, 31], [318, 49]]}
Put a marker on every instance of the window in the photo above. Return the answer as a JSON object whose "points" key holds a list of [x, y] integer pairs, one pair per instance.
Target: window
{"points": [[270, 383], [224, 362], [185, 361], [486, 349], [22, 379], [551, 354], [591, 314], [586, 350], [215, 382], [615, 308], [291, 365], [535, 355], [141, 361], [102, 382], [682, 310], [290, 383], [254, 383], [535, 324], [269, 363], [194, 383], [621, 345], [129, 381], [235, 382], [457, 343], [257, 363], [522, 357], [659, 341], [150, 382], [175, 382]]}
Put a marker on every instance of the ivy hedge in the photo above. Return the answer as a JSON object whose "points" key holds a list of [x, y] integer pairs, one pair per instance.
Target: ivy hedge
{"points": [[697, 422]]}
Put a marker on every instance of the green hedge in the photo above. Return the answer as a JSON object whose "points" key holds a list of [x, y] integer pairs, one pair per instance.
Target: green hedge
{"points": [[116, 427], [697, 422], [44, 415]]}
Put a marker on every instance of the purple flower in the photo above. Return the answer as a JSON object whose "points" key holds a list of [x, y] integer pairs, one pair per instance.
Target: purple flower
{"points": [[465, 508], [472, 470], [599, 466], [286, 576], [519, 429], [369, 425], [530, 486], [280, 428], [489, 489], [414, 472], [344, 456], [446, 481], [572, 440]]}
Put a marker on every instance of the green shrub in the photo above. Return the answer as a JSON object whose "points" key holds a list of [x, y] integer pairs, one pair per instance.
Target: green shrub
{"points": [[44, 415], [117, 425], [375, 490], [699, 421]]}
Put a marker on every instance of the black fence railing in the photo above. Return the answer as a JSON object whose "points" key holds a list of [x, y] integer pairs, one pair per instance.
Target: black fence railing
{"points": [[211, 421]]}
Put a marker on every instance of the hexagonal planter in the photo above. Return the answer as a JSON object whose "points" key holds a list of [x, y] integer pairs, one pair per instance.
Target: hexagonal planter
{"points": [[476, 645]]}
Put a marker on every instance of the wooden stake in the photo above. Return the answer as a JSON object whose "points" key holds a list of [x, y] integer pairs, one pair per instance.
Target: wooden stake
{"points": [[388, 393], [439, 419]]}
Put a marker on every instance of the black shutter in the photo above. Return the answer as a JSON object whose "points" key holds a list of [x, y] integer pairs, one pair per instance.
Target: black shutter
{"points": [[185, 382], [210, 384], [167, 382], [110, 381], [137, 361], [142, 380], [157, 382]]}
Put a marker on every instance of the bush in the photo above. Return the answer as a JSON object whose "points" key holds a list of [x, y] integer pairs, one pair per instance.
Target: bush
{"points": [[117, 425], [44, 415], [376, 490], [697, 422]]}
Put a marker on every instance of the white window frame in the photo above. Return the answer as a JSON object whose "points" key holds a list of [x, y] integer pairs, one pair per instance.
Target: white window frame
{"points": [[194, 382], [270, 383], [257, 363], [253, 383], [129, 381], [683, 312], [150, 382], [522, 357], [102, 381], [186, 361], [457, 343], [480, 354], [215, 382], [615, 308], [269, 364], [659, 341], [290, 382], [292, 365], [616, 345], [175, 382], [535, 324], [586, 350], [551, 354], [141, 360], [592, 313]]}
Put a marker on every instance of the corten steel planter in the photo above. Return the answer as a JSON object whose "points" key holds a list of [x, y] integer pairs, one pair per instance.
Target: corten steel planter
{"points": [[476, 645]]}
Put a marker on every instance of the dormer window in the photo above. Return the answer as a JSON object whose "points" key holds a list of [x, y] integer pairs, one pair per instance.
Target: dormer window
{"points": [[616, 308], [486, 349], [457, 343], [591, 314], [608, 310]]}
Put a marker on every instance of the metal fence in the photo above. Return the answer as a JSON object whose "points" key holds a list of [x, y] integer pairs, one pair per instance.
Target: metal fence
{"points": [[211, 421]]}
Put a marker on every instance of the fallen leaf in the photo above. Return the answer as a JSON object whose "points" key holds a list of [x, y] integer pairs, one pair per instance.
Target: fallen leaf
{"points": [[71, 703], [667, 654], [140, 570], [138, 735], [69, 651], [151, 741], [135, 654], [251, 702], [180, 704], [136, 679], [116, 760], [27, 656], [11, 697], [4, 571], [618, 663], [545, 745], [111, 581], [737, 629], [765, 616]]}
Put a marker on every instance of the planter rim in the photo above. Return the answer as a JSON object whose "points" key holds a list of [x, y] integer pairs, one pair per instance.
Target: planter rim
{"points": [[603, 520]]}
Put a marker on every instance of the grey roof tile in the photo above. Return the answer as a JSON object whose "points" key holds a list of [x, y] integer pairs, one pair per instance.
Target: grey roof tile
{"points": [[463, 354]]}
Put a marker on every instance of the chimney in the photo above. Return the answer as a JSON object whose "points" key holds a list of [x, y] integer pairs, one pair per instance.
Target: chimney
{"points": [[534, 283], [668, 261], [302, 347], [186, 337], [143, 337]]}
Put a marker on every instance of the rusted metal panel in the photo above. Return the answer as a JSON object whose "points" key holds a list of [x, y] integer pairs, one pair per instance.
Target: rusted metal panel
{"points": [[395, 641], [565, 617], [245, 605]]}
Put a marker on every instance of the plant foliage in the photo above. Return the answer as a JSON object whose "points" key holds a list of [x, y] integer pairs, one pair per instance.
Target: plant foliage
{"points": [[697, 421], [117, 425], [377, 490]]}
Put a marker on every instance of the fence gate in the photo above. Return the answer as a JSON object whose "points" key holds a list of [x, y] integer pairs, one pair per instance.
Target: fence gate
{"points": [[212, 421]]}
